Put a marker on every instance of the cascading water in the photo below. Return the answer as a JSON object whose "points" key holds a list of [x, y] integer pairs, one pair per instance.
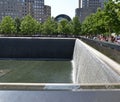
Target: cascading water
{"points": [[89, 68]]}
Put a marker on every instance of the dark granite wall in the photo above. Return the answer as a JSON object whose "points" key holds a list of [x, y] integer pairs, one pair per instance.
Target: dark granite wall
{"points": [[109, 49], [36, 48]]}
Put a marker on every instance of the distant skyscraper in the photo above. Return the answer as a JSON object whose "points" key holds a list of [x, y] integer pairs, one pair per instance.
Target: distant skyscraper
{"points": [[91, 3], [35, 8], [20, 8], [86, 7], [80, 3], [47, 12]]}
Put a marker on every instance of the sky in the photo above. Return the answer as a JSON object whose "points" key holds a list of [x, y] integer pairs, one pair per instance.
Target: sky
{"points": [[62, 7]]}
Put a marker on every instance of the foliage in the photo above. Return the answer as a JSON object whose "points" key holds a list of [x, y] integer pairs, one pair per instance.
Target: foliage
{"points": [[94, 24], [65, 27], [38, 28], [105, 21], [49, 26], [7, 26], [17, 25], [76, 26], [28, 25]]}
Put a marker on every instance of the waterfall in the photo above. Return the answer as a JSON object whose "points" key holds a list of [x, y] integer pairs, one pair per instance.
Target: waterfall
{"points": [[89, 68]]}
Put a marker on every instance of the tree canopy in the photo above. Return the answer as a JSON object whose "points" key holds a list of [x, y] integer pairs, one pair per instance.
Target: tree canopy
{"points": [[65, 27], [49, 26], [7, 26], [28, 25], [104, 21]]}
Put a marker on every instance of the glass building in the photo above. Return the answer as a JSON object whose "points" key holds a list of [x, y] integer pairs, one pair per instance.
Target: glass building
{"points": [[91, 3], [20, 8], [86, 7]]}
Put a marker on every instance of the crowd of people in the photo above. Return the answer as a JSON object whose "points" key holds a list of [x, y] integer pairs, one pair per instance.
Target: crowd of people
{"points": [[112, 39]]}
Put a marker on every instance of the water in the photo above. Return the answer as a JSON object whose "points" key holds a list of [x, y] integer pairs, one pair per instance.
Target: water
{"points": [[35, 71], [89, 66]]}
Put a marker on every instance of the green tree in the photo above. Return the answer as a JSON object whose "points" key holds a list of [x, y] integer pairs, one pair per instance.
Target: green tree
{"points": [[7, 26], [112, 21], [76, 26], [88, 26], [104, 21], [28, 25], [17, 25], [99, 22], [118, 15], [65, 27], [38, 29], [49, 26]]}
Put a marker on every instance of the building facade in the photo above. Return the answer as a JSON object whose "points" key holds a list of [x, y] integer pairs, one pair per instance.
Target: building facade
{"points": [[35, 9], [86, 7], [47, 12], [90, 3], [20, 8]]}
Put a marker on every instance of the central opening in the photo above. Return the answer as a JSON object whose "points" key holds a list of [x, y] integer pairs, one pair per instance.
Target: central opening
{"points": [[36, 60], [54, 60]]}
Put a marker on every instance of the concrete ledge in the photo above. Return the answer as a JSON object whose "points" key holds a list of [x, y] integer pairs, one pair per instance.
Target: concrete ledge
{"points": [[60, 96], [58, 86]]}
